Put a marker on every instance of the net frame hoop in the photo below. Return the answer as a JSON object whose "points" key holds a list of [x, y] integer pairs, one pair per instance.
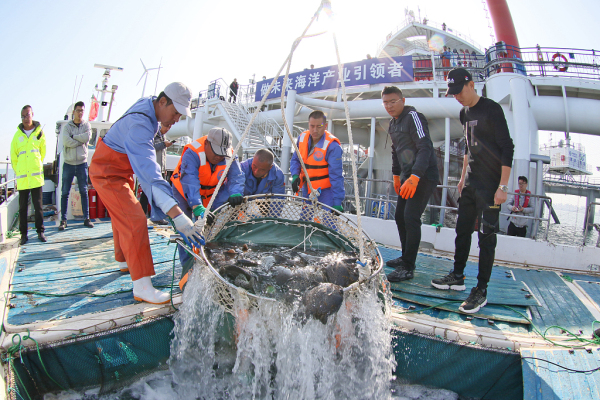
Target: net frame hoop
{"points": [[202, 258], [311, 203]]}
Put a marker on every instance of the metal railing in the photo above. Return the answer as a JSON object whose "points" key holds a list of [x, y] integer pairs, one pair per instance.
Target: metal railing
{"points": [[543, 61], [5, 185], [219, 89], [426, 22], [537, 211], [387, 203], [527, 61], [589, 225], [265, 132]]}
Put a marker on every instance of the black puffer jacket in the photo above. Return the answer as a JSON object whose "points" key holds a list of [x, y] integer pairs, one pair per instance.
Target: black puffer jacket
{"points": [[412, 149]]}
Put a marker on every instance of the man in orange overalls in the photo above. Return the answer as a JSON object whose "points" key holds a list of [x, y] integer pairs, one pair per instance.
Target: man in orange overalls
{"points": [[126, 149]]}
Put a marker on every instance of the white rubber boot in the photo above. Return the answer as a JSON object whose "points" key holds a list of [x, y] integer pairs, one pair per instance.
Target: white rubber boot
{"points": [[123, 266], [144, 291]]}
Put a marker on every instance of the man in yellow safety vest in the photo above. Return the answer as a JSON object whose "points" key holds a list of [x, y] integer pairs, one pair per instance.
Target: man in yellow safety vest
{"points": [[27, 152]]}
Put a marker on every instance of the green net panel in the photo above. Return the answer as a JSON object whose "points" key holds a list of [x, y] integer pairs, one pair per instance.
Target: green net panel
{"points": [[473, 372], [110, 360]]}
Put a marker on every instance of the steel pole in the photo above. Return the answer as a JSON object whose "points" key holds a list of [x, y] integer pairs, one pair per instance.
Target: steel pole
{"points": [[286, 148], [446, 170], [371, 156]]}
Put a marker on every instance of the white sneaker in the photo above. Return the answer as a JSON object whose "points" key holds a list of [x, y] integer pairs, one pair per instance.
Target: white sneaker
{"points": [[143, 290], [123, 266]]}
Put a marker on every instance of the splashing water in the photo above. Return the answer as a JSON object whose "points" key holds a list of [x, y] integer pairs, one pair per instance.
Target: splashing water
{"points": [[267, 353]]}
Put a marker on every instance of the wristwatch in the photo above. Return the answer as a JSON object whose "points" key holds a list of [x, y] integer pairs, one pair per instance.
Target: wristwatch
{"points": [[504, 188]]}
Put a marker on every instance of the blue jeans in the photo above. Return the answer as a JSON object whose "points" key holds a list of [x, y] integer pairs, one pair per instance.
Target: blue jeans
{"points": [[69, 172]]}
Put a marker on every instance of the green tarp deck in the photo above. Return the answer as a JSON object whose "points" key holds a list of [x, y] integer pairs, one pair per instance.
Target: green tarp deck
{"points": [[558, 305], [543, 380], [503, 290], [76, 263]]}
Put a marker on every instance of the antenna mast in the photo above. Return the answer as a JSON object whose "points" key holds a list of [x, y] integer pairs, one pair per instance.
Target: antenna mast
{"points": [[104, 89]]}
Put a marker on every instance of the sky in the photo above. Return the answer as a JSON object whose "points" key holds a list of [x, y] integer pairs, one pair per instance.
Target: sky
{"points": [[49, 48]]}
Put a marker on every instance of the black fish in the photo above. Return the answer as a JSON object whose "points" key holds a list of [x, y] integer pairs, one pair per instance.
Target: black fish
{"points": [[341, 273], [233, 271], [281, 275], [279, 259], [245, 262], [322, 301]]}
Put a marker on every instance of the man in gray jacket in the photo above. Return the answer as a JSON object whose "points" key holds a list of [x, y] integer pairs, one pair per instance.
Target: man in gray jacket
{"points": [[75, 137], [520, 204]]}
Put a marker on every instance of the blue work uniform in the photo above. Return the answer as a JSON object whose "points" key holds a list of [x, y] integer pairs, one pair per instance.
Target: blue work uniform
{"points": [[333, 196], [274, 182], [134, 136], [190, 182]]}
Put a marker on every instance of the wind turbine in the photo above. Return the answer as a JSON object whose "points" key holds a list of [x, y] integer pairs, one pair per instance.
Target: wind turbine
{"points": [[158, 73], [145, 76]]}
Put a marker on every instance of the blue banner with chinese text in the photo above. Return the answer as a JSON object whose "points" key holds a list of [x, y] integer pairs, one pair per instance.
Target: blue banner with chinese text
{"points": [[365, 72]]}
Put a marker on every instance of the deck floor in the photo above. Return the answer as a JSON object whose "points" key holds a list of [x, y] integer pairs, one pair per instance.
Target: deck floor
{"points": [[78, 265], [545, 381], [558, 305]]}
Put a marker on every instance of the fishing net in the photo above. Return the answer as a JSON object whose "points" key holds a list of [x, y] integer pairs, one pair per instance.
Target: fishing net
{"points": [[282, 220], [111, 359]]}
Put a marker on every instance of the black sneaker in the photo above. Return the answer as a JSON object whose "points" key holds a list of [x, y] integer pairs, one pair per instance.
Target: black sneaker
{"points": [[88, 223], [42, 237], [395, 263], [476, 300], [401, 274], [449, 281], [23, 239], [63, 225]]}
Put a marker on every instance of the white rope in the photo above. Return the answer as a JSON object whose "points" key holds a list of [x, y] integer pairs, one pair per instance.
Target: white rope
{"points": [[287, 127], [361, 245], [202, 221]]}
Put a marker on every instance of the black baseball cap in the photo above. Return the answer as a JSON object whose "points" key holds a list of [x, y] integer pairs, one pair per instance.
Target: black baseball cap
{"points": [[456, 80]]}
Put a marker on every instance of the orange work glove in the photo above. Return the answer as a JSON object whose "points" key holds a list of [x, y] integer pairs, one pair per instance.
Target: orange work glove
{"points": [[397, 184], [409, 187]]}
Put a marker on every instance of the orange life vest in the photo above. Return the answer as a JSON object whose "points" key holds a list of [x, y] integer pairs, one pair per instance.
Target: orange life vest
{"points": [[525, 202], [315, 162], [208, 178]]}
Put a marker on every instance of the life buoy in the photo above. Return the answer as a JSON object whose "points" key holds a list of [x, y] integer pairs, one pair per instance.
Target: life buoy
{"points": [[558, 65]]}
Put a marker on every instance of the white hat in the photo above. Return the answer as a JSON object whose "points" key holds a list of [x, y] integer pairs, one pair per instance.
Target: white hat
{"points": [[220, 141], [181, 96]]}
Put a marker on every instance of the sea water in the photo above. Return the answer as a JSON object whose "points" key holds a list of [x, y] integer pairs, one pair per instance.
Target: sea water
{"points": [[571, 214]]}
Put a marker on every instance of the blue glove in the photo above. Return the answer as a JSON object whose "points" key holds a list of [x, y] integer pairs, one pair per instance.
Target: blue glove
{"points": [[189, 232], [235, 200]]}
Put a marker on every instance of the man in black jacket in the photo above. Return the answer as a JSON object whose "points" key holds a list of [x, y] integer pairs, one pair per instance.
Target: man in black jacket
{"points": [[482, 187], [414, 166]]}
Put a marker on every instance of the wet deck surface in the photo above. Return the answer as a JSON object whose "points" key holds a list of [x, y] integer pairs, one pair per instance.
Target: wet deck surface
{"points": [[75, 264], [545, 381], [558, 305]]}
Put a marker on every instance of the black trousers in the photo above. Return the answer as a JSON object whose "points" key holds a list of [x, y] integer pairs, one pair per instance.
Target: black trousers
{"points": [[36, 199], [474, 205], [408, 219], [514, 230]]}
